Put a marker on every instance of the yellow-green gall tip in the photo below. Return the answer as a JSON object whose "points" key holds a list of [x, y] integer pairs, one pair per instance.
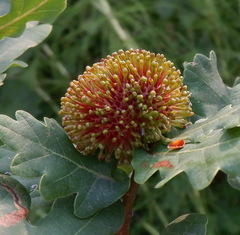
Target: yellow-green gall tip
{"points": [[127, 100]]}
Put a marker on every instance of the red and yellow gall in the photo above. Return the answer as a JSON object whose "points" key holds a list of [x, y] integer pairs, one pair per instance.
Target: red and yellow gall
{"points": [[130, 99]]}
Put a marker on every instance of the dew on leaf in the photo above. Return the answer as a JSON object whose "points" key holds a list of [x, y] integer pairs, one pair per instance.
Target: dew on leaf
{"points": [[8, 173]]}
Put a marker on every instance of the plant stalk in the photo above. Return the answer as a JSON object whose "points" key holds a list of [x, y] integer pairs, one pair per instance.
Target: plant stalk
{"points": [[128, 202]]}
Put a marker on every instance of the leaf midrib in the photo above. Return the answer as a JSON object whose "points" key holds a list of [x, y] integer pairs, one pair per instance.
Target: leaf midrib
{"points": [[205, 123], [51, 152], [23, 15], [169, 152]]}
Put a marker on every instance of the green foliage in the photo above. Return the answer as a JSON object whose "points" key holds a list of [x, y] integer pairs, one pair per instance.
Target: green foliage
{"points": [[41, 148], [14, 22], [202, 77], [6, 159], [234, 181], [68, 223], [31, 37], [187, 224], [211, 143], [83, 194], [156, 208], [14, 199], [178, 29]]}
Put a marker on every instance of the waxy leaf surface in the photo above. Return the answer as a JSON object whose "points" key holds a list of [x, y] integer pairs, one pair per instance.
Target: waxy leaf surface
{"points": [[4, 7], [61, 220], [14, 202], [211, 144], [209, 93], [22, 11], [188, 224], [12, 48], [44, 150], [6, 157], [20, 17]]}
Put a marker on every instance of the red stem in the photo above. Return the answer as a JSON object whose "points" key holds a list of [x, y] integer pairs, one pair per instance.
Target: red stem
{"points": [[128, 202]]}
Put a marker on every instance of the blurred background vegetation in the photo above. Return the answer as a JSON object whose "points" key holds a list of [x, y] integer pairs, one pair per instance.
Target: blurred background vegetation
{"points": [[91, 29]]}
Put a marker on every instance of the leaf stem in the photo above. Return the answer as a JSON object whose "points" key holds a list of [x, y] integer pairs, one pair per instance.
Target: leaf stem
{"points": [[128, 202]]}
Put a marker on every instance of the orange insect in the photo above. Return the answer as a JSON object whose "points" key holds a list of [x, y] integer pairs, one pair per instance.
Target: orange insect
{"points": [[176, 144]]}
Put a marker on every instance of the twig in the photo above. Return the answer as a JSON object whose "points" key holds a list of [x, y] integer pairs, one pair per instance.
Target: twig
{"points": [[128, 202]]}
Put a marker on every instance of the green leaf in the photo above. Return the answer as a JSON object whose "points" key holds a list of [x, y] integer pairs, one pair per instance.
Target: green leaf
{"points": [[6, 157], [11, 48], [2, 77], [234, 182], [23, 11], [105, 222], [39, 207], [237, 81], [189, 224], [209, 93], [235, 95], [212, 144], [61, 220], [4, 7], [44, 150], [14, 201]]}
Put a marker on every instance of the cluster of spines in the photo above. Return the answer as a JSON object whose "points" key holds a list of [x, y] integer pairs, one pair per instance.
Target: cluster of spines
{"points": [[127, 100]]}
